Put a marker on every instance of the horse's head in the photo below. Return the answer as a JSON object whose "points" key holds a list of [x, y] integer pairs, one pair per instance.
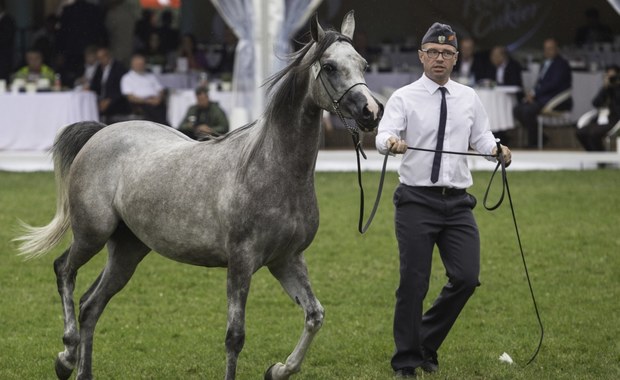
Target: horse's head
{"points": [[337, 76]]}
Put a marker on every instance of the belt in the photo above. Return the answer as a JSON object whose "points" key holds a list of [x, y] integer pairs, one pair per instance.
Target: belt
{"points": [[444, 190]]}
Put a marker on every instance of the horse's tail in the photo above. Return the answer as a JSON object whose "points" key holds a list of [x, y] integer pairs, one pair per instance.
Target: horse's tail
{"points": [[37, 241]]}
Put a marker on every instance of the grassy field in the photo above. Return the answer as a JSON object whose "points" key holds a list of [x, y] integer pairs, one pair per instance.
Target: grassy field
{"points": [[169, 322]]}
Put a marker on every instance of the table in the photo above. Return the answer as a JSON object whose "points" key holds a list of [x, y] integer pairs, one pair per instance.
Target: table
{"points": [[180, 100], [29, 122], [499, 102]]}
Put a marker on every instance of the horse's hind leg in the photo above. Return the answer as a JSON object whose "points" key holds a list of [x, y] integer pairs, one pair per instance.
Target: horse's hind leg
{"points": [[293, 275], [237, 288], [125, 253], [66, 267]]}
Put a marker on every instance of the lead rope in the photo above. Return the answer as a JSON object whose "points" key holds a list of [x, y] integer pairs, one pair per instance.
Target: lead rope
{"points": [[363, 227]]}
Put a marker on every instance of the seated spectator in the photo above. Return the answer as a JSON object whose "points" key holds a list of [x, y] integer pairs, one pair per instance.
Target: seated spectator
{"points": [[35, 69], [205, 118], [106, 83], [554, 77], [471, 66], [608, 102], [90, 65], [144, 91], [505, 70]]}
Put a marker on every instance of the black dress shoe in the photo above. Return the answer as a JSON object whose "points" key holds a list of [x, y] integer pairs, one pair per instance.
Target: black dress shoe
{"points": [[430, 366], [405, 373]]}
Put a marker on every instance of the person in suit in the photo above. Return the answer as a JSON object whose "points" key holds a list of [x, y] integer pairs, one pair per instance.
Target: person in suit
{"points": [[106, 83], [505, 70], [554, 77], [471, 66]]}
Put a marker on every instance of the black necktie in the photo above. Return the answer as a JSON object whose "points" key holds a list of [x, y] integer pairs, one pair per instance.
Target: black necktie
{"points": [[443, 113]]}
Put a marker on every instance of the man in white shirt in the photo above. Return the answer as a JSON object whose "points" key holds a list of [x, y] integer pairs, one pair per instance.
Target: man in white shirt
{"points": [[431, 203], [144, 91]]}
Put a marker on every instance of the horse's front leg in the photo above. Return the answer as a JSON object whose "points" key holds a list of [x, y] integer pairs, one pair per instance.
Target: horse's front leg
{"points": [[293, 275], [238, 287]]}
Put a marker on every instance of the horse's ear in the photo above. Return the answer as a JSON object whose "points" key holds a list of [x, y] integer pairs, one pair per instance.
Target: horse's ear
{"points": [[316, 30], [348, 25]]}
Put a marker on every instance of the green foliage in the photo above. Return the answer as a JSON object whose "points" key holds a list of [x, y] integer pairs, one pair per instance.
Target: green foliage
{"points": [[169, 322]]}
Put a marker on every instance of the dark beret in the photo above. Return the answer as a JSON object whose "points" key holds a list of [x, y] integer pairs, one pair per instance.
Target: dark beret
{"points": [[440, 34]]}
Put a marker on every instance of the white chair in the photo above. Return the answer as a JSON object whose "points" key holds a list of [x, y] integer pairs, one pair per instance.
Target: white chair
{"points": [[551, 117], [587, 118]]}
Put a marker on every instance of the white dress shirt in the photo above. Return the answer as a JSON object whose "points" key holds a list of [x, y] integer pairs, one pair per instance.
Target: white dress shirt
{"points": [[412, 114], [141, 85]]}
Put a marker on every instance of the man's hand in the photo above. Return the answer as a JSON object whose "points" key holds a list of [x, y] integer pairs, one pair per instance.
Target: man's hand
{"points": [[505, 152], [203, 129], [396, 146]]}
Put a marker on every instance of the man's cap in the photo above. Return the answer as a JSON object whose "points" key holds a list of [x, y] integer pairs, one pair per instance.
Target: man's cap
{"points": [[440, 34]]}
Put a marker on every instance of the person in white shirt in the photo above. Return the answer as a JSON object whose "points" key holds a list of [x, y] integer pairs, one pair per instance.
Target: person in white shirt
{"points": [[432, 206], [144, 91]]}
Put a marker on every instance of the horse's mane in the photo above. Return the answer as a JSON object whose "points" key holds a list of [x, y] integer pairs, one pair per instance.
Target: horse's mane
{"points": [[281, 88]]}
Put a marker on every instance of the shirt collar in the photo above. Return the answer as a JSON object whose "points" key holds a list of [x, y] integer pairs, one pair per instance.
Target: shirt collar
{"points": [[433, 87]]}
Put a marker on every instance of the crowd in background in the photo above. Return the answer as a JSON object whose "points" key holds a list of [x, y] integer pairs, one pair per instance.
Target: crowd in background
{"points": [[67, 42]]}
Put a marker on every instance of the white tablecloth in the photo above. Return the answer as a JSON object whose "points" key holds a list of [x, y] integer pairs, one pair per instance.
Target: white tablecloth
{"points": [[180, 100], [30, 121], [499, 102], [177, 81]]}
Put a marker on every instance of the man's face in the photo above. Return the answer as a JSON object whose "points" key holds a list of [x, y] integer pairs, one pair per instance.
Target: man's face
{"points": [[497, 56], [34, 60], [103, 57], [438, 68], [467, 48], [550, 49], [203, 99], [138, 64]]}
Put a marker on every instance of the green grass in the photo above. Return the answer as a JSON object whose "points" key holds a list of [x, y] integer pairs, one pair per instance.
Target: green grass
{"points": [[169, 322]]}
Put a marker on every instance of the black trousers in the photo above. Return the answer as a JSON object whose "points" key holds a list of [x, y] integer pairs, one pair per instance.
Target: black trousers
{"points": [[424, 218], [527, 114], [591, 136]]}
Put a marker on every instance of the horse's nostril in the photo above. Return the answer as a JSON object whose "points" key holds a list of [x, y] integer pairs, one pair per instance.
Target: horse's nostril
{"points": [[366, 112]]}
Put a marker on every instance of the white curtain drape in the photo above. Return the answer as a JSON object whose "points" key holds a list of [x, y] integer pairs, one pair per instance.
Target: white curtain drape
{"points": [[239, 15], [264, 29], [615, 4], [297, 13]]}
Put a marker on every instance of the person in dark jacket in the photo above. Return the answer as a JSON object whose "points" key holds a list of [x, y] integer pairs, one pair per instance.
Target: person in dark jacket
{"points": [[106, 83], [607, 100], [205, 118], [505, 70], [554, 78]]}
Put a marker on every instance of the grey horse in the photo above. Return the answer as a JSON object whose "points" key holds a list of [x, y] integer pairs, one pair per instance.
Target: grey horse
{"points": [[241, 201]]}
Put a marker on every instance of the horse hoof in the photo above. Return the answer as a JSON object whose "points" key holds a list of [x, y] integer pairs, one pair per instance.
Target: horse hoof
{"points": [[62, 371], [268, 374]]}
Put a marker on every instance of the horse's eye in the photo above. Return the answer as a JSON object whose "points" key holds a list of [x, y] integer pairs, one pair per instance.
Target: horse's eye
{"points": [[329, 68]]}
